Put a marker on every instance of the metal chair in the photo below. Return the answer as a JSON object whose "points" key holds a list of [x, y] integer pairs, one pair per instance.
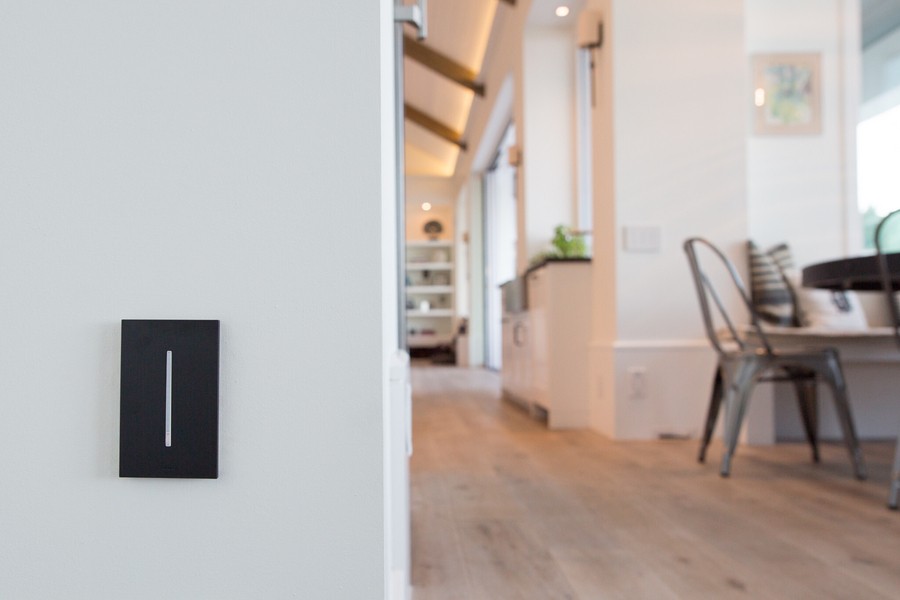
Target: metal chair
{"points": [[890, 287], [742, 365]]}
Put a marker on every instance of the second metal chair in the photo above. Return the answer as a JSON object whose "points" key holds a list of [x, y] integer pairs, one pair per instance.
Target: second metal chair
{"points": [[890, 286]]}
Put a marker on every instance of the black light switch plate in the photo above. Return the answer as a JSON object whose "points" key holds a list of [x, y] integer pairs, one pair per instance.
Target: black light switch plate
{"points": [[169, 405]]}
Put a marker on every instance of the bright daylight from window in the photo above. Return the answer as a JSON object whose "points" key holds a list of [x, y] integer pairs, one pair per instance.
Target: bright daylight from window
{"points": [[878, 147]]}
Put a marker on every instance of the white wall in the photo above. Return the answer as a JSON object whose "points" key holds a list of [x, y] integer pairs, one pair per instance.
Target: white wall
{"points": [[395, 388], [669, 132], [189, 160], [548, 136], [801, 189], [436, 190], [680, 150]]}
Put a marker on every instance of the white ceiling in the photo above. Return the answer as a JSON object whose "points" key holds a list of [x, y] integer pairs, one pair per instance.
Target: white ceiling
{"points": [[458, 29], [543, 12]]}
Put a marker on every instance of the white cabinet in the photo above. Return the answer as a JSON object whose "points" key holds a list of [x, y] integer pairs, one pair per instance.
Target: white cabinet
{"points": [[559, 306], [517, 359], [430, 308], [545, 348]]}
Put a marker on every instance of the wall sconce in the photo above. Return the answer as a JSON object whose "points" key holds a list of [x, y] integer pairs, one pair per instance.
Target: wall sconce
{"points": [[514, 156], [590, 37], [590, 30]]}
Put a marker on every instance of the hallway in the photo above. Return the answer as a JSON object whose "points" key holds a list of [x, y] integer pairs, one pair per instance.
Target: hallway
{"points": [[503, 509]]}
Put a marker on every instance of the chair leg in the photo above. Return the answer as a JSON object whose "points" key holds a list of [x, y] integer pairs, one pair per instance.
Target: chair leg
{"points": [[808, 401], [842, 404], [712, 414], [734, 416], [736, 399], [895, 479]]}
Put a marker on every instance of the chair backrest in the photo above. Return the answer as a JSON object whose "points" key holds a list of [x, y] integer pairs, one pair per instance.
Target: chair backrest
{"points": [[887, 283], [711, 305]]}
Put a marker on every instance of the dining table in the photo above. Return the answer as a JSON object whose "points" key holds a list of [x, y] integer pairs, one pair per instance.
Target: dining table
{"points": [[862, 273], [859, 273]]}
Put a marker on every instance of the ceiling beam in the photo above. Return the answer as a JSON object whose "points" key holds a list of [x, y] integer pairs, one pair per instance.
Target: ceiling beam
{"points": [[441, 64], [434, 126]]}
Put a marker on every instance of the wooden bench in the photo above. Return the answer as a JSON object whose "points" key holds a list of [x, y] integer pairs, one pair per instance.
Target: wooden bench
{"points": [[871, 362], [872, 345]]}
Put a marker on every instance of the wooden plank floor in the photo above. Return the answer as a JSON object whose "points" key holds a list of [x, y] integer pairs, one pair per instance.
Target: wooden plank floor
{"points": [[502, 509]]}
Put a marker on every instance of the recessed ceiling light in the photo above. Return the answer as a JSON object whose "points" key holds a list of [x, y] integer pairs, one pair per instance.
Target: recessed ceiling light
{"points": [[426, 206], [562, 11]]}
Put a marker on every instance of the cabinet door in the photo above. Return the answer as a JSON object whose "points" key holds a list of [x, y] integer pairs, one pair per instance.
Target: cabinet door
{"points": [[508, 358], [516, 367], [540, 347], [522, 340]]}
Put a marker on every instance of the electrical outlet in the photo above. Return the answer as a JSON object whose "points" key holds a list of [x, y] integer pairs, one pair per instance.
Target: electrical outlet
{"points": [[637, 383]]}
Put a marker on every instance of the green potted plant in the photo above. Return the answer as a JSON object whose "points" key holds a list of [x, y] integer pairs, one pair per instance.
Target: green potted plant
{"points": [[565, 243]]}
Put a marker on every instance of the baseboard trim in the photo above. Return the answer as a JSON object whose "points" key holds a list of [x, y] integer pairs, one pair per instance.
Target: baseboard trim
{"points": [[676, 344]]}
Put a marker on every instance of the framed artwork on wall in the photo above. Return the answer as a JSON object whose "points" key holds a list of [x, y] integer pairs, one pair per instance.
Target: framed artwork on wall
{"points": [[787, 91]]}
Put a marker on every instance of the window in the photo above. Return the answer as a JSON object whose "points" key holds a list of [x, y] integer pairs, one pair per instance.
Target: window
{"points": [[878, 156]]}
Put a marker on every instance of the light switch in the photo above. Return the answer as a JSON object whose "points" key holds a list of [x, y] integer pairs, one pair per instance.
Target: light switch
{"points": [[169, 403], [642, 238]]}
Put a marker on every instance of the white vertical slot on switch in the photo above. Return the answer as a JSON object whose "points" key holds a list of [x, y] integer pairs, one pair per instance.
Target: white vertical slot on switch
{"points": [[168, 398]]}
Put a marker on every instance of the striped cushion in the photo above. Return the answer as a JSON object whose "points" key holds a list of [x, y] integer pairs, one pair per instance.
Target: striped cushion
{"points": [[772, 295]]}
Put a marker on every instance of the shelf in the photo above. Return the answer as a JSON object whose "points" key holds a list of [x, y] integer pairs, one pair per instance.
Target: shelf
{"points": [[434, 258], [430, 244], [434, 312], [418, 340], [429, 289], [429, 266]]}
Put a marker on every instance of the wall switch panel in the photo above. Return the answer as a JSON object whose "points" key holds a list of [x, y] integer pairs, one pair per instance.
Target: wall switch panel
{"points": [[642, 238], [169, 402]]}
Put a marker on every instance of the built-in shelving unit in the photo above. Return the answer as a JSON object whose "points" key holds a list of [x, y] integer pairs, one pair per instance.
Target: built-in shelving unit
{"points": [[429, 293], [429, 266], [429, 289]]}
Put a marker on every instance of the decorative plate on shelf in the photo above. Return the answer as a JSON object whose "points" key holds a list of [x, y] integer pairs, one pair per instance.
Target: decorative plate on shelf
{"points": [[433, 229]]}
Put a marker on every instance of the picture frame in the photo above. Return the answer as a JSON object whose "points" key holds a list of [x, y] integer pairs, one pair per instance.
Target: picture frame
{"points": [[787, 94]]}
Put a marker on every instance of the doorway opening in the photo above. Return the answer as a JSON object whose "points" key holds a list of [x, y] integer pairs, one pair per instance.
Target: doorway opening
{"points": [[500, 240]]}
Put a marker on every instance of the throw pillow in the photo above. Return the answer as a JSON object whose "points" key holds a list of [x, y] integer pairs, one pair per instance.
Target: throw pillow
{"points": [[771, 294], [824, 309]]}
